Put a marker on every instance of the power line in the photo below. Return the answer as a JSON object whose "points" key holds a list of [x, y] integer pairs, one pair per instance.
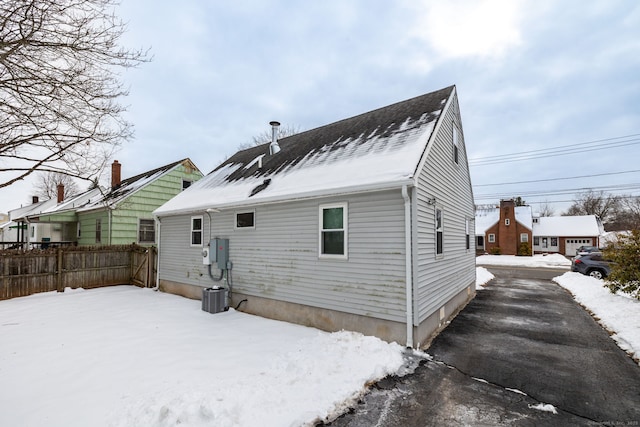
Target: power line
{"points": [[615, 142], [566, 191], [557, 179]]}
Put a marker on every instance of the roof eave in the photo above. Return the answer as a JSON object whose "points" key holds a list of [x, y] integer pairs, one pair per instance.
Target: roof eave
{"points": [[362, 188]]}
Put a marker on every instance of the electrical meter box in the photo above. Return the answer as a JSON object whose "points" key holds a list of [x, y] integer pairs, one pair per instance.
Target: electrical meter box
{"points": [[219, 252], [206, 260]]}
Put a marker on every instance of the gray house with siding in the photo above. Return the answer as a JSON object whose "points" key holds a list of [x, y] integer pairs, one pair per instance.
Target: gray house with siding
{"points": [[365, 224]]}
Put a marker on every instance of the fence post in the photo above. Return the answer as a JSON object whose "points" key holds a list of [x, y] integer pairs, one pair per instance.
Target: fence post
{"points": [[59, 286]]}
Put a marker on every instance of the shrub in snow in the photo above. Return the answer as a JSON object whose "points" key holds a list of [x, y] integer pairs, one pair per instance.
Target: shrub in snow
{"points": [[625, 271], [524, 249]]}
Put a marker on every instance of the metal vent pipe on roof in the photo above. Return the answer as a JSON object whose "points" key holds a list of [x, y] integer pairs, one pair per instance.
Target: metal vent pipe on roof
{"points": [[274, 147]]}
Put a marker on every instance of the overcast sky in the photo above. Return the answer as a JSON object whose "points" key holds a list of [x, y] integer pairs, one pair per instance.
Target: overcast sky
{"points": [[531, 76]]}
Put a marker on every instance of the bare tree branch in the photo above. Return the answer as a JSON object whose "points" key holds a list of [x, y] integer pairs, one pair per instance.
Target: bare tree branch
{"points": [[264, 137], [595, 203], [46, 185], [59, 86]]}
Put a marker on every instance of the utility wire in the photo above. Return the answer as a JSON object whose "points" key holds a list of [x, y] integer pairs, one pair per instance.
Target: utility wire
{"points": [[557, 179], [528, 194], [616, 142]]}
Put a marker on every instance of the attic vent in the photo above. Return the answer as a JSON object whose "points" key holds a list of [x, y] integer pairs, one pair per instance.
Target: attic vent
{"points": [[260, 187], [274, 148]]}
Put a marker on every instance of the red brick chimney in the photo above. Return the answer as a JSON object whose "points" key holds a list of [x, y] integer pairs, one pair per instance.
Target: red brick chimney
{"points": [[60, 189], [115, 174]]}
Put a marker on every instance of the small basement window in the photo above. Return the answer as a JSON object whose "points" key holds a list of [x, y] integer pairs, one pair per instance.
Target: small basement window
{"points": [[333, 231], [246, 219]]}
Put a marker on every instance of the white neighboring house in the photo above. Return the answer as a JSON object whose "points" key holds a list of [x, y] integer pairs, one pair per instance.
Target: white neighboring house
{"points": [[508, 226], [364, 224], [565, 234], [19, 231]]}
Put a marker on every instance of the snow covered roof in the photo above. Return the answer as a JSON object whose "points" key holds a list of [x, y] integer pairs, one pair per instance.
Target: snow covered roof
{"points": [[524, 216], [374, 150], [33, 209], [583, 225], [486, 218], [129, 186], [75, 202]]}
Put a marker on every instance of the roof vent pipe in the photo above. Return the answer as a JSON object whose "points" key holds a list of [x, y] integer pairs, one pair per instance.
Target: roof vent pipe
{"points": [[274, 147]]}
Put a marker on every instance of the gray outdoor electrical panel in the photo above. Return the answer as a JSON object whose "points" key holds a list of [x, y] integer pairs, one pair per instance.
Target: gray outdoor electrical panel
{"points": [[222, 252]]}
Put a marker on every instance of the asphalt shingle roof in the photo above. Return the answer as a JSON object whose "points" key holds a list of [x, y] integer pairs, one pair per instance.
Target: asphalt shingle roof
{"points": [[378, 149]]}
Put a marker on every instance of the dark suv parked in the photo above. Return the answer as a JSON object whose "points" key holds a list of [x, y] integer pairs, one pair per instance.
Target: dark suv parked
{"points": [[586, 249], [591, 264]]}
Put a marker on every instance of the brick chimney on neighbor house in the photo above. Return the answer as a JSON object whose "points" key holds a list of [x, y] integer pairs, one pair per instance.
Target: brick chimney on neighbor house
{"points": [[115, 174], [60, 189]]}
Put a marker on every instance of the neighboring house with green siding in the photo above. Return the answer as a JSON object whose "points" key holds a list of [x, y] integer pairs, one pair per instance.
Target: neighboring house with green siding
{"points": [[123, 214]]}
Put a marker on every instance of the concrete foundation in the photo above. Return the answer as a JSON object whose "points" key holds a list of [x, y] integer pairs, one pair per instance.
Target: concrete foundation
{"points": [[332, 320]]}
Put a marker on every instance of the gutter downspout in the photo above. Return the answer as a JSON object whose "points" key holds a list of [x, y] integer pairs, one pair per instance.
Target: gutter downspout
{"points": [[408, 271], [159, 227]]}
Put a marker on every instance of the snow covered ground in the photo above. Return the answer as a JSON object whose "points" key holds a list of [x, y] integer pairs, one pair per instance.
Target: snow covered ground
{"points": [[618, 313], [125, 356], [549, 261]]}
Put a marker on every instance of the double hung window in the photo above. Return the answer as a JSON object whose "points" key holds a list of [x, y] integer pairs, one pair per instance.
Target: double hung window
{"points": [[439, 232], [333, 231], [196, 231]]}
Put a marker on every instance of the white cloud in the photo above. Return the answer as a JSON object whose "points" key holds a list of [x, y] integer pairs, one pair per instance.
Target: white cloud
{"points": [[464, 28]]}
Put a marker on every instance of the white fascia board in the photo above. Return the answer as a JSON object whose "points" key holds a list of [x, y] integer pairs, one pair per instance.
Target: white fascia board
{"points": [[366, 188]]}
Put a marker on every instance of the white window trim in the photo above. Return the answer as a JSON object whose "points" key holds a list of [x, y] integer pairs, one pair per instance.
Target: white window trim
{"points": [[235, 220], [98, 235], [345, 229], [467, 236], [154, 231], [507, 221], [456, 146], [524, 238], [491, 238], [191, 231], [436, 229]]}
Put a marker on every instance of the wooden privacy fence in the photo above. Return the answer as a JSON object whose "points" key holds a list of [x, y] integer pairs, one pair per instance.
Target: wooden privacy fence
{"points": [[30, 272]]}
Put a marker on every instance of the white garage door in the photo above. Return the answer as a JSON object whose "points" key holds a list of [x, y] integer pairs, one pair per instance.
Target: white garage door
{"points": [[571, 245]]}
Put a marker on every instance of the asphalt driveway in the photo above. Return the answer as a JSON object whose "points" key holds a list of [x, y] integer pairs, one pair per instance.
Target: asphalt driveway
{"points": [[521, 344]]}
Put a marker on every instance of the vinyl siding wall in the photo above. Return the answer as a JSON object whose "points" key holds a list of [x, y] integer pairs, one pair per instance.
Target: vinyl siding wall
{"points": [[88, 227], [139, 205], [279, 258], [437, 278]]}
